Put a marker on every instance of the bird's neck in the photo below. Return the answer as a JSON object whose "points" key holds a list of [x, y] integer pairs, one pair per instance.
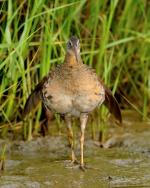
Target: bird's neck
{"points": [[71, 59]]}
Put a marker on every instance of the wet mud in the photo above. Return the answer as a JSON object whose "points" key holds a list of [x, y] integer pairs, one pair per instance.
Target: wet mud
{"points": [[124, 161]]}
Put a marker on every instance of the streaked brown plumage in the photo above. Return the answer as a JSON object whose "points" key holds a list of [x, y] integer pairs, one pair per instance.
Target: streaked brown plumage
{"points": [[73, 89]]}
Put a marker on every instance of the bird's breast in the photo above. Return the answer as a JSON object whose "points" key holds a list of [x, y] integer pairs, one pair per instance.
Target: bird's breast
{"points": [[74, 91]]}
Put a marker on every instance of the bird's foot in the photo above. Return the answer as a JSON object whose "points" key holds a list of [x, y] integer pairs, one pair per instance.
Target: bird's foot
{"points": [[83, 167], [75, 162], [72, 163]]}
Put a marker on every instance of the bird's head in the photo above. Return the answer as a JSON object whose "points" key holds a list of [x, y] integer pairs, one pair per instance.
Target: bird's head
{"points": [[73, 47]]}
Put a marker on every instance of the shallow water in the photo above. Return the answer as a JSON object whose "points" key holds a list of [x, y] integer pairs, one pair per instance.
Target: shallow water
{"points": [[42, 163], [113, 168]]}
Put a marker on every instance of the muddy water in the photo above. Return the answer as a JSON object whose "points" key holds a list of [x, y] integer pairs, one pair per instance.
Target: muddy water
{"points": [[42, 163]]}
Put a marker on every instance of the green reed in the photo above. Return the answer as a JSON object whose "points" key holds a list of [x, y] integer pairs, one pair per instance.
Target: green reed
{"points": [[3, 158]]}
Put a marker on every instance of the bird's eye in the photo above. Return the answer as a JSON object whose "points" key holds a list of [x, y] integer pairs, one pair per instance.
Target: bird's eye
{"points": [[69, 43]]}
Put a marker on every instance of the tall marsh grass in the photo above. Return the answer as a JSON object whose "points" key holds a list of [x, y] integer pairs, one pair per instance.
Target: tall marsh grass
{"points": [[115, 40]]}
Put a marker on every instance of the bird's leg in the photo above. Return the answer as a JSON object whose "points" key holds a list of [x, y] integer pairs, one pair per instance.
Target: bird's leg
{"points": [[70, 138], [83, 121]]}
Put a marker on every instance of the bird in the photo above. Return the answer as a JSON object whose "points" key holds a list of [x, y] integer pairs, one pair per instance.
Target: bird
{"points": [[73, 89]]}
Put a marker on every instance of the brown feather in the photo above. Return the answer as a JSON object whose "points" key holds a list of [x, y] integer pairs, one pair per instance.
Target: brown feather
{"points": [[34, 98], [112, 104]]}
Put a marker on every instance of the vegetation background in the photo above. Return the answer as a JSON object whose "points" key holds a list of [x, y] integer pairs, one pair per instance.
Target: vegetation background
{"points": [[115, 40]]}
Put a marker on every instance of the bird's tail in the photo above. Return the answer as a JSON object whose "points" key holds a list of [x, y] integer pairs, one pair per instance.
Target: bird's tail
{"points": [[112, 104]]}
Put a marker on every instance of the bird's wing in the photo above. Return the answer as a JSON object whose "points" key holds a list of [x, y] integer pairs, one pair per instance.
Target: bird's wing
{"points": [[111, 103], [34, 98]]}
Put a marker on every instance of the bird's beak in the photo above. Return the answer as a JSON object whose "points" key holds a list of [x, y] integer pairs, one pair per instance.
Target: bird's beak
{"points": [[76, 53]]}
